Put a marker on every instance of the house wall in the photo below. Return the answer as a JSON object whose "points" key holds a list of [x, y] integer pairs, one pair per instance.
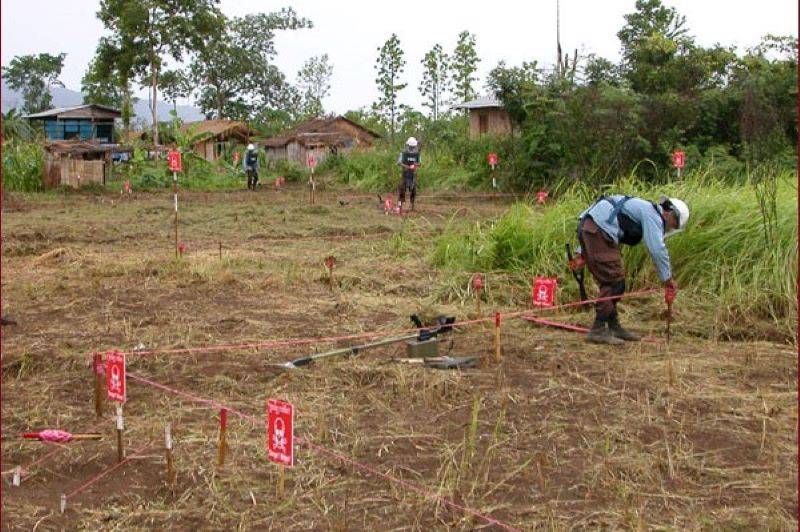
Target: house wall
{"points": [[73, 172], [79, 129], [497, 122], [276, 154]]}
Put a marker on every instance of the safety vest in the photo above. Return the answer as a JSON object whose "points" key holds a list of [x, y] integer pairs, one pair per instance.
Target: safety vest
{"points": [[632, 231], [409, 157]]}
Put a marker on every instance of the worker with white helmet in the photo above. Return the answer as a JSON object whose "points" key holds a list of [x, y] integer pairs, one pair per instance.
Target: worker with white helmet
{"points": [[250, 162], [615, 220], [409, 160]]}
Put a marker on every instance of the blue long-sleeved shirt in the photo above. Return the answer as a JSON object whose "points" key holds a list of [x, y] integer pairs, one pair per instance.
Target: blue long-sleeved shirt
{"points": [[642, 212]]}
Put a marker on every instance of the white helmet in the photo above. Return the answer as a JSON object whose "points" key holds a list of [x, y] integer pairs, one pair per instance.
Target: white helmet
{"points": [[679, 209], [411, 142], [251, 147]]}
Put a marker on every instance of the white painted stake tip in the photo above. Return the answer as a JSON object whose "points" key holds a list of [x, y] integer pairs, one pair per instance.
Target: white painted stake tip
{"points": [[17, 476], [168, 436], [63, 503]]}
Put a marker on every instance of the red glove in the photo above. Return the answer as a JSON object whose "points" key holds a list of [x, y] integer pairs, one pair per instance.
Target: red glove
{"points": [[577, 262], [670, 291]]}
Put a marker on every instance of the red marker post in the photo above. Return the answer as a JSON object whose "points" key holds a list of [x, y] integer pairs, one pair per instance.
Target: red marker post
{"points": [[115, 377], [678, 161], [544, 291], [311, 162], [175, 165], [492, 157], [280, 436]]}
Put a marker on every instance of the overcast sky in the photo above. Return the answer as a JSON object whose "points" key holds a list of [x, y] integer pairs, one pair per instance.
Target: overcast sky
{"points": [[350, 32]]}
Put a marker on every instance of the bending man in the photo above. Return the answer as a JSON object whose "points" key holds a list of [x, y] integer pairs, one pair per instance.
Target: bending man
{"points": [[615, 220]]}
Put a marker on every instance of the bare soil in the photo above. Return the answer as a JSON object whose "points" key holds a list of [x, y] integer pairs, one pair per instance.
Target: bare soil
{"points": [[561, 434]]}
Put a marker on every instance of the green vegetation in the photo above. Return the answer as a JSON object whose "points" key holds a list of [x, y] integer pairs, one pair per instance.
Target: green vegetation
{"points": [[736, 262], [23, 166]]}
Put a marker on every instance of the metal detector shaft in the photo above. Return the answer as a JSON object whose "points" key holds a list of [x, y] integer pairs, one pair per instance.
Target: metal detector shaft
{"points": [[352, 350]]}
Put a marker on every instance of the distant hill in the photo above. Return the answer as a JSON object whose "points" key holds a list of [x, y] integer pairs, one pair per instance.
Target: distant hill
{"points": [[64, 98]]}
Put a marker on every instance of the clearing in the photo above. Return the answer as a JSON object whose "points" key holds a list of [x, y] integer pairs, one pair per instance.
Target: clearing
{"points": [[691, 435]]}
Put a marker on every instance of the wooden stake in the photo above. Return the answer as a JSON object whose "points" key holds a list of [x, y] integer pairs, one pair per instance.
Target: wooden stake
{"points": [[223, 433], [63, 502], [17, 479], [497, 337], [220, 251], [120, 429], [97, 366], [313, 186], [281, 480], [168, 453]]}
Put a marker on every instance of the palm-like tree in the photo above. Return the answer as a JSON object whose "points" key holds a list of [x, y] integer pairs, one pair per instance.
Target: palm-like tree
{"points": [[15, 127]]}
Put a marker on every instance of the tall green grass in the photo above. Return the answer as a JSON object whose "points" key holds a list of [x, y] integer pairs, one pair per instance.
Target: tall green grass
{"points": [[23, 166], [735, 280], [377, 171]]}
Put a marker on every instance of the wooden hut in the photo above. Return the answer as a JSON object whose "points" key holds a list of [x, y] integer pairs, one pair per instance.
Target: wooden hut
{"points": [[217, 138], [320, 137], [76, 162], [487, 116], [79, 122]]}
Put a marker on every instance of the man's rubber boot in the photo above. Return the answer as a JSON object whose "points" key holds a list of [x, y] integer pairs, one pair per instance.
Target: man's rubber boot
{"points": [[617, 331], [600, 335]]}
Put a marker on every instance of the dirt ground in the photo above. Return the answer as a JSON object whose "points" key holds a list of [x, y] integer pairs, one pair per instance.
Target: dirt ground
{"points": [[559, 435]]}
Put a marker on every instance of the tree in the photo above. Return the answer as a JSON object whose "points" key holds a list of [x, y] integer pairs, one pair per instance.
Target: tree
{"points": [[599, 70], [155, 30], [464, 65], [235, 71], [314, 81], [108, 78], [390, 66], [435, 79], [175, 84], [33, 75]]}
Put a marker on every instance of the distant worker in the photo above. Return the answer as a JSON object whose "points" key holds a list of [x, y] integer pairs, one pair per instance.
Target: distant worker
{"points": [[615, 220], [409, 160], [250, 162]]}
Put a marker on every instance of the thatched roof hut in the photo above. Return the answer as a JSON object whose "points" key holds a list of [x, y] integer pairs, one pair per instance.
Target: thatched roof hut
{"points": [[319, 136]]}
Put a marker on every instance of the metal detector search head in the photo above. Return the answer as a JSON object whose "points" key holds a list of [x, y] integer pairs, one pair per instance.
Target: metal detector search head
{"points": [[445, 325]]}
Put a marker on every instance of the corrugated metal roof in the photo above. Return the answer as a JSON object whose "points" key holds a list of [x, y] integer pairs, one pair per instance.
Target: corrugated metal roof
{"points": [[490, 100], [64, 110]]}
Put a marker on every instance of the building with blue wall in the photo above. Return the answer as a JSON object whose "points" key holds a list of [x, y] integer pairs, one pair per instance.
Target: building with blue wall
{"points": [[80, 122]]}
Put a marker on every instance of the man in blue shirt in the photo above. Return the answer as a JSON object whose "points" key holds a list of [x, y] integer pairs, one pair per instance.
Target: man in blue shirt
{"points": [[615, 220]]}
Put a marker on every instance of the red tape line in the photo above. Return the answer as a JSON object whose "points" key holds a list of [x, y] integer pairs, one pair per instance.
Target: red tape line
{"points": [[330, 452], [327, 339]]}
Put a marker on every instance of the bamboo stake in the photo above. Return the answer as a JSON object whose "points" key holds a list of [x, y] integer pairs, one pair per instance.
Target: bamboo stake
{"points": [[120, 429], [98, 384], [168, 454], [175, 192]]}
